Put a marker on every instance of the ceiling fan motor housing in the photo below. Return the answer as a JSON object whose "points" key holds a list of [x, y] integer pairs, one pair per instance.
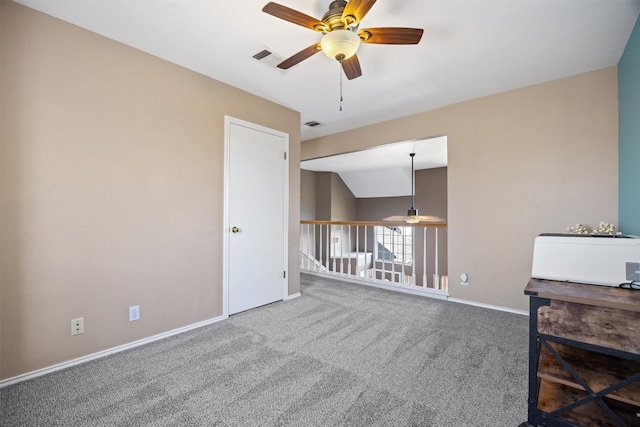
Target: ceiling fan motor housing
{"points": [[333, 17]]}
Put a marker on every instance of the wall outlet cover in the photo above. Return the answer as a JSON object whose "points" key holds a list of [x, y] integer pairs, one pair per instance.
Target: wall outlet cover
{"points": [[77, 326], [134, 313]]}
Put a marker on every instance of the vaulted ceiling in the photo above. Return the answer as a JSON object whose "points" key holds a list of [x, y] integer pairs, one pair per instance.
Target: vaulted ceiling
{"points": [[383, 171]]}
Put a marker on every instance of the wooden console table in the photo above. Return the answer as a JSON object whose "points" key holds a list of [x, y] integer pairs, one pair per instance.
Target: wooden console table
{"points": [[584, 355]]}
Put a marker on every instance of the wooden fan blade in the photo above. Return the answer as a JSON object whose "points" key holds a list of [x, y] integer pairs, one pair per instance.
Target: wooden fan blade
{"points": [[429, 218], [291, 15], [391, 35], [395, 218], [300, 56], [420, 218], [351, 67], [355, 10]]}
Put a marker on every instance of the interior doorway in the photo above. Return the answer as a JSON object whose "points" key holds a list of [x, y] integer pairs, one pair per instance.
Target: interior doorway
{"points": [[256, 215]]}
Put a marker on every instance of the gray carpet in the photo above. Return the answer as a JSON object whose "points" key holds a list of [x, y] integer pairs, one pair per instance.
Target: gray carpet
{"points": [[340, 355]]}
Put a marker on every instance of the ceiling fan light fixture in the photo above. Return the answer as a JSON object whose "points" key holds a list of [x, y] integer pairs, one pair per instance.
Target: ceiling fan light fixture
{"points": [[412, 216], [340, 44]]}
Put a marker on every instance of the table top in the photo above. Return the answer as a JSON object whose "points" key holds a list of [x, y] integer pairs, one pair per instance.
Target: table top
{"points": [[596, 295]]}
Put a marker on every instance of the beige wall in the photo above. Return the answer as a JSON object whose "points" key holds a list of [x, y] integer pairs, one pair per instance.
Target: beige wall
{"points": [[333, 199], [112, 190], [532, 160], [307, 195], [431, 192], [1, 203], [343, 202], [323, 196], [378, 208]]}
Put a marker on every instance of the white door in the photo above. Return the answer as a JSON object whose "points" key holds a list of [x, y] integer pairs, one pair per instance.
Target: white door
{"points": [[256, 220]]}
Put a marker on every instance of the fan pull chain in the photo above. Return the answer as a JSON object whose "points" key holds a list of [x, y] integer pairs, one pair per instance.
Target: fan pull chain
{"points": [[340, 70]]}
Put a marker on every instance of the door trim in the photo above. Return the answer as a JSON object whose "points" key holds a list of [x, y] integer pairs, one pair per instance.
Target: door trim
{"points": [[226, 228]]}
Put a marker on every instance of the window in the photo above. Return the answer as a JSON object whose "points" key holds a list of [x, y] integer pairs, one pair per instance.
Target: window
{"points": [[394, 244]]}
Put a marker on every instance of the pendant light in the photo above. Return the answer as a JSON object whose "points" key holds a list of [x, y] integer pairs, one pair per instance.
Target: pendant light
{"points": [[412, 216]]}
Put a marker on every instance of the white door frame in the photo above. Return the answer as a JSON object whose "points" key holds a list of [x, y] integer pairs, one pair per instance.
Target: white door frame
{"points": [[228, 120]]}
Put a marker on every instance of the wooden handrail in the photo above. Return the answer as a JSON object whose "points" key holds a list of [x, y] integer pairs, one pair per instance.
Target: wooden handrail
{"points": [[377, 223]]}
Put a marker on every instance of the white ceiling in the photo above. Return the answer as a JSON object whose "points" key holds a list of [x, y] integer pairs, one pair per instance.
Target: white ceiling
{"points": [[470, 48]]}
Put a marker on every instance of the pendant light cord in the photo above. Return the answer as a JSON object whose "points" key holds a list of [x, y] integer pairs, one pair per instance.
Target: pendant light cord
{"points": [[413, 188]]}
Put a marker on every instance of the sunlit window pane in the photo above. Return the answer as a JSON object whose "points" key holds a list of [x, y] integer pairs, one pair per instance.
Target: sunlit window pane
{"points": [[394, 244]]}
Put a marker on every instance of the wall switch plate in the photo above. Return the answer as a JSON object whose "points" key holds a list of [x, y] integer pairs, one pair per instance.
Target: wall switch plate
{"points": [[77, 326], [134, 313]]}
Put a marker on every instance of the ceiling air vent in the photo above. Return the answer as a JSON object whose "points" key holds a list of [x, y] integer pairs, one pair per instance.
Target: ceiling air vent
{"points": [[262, 54], [269, 58], [313, 124]]}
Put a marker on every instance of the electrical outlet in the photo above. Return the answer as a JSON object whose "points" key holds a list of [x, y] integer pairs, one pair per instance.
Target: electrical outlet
{"points": [[134, 313], [464, 279], [77, 326]]}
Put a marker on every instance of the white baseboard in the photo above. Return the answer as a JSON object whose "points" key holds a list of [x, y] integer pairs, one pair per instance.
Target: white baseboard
{"points": [[432, 293], [413, 290], [107, 352], [293, 296], [492, 307]]}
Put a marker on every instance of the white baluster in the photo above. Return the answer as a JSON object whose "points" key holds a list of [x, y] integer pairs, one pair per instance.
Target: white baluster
{"points": [[308, 255], [436, 276], [393, 258], [413, 255], [341, 249], [349, 249], [304, 243], [312, 246], [358, 250], [402, 246], [320, 254], [308, 252], [333, 242], [424, 257], [366, 264], [328, 260], [384, 261]]}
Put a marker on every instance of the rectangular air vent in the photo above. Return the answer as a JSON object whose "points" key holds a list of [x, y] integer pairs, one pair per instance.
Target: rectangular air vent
{"points": [[262, 54], [269, 58], [313, 124]]}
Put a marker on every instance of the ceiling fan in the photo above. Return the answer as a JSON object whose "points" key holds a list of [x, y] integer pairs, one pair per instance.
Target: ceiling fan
{"points": [[412, 216], [341, 37]]}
